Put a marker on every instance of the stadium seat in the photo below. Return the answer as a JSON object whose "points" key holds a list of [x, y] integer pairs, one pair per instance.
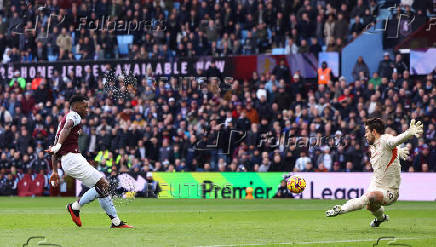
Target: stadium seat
{"points": [[52, 58], [24, 186], [176, 5], [278, 51], [244, 34], [123, 43], [37, 185]]}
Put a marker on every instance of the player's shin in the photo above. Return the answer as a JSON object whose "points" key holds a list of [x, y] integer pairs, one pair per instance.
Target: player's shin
{"points": [[355, 204], [379, 213], [87, 197], [108, 206]]}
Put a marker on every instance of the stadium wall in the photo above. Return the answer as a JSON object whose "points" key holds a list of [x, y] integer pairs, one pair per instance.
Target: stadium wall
{"points": [[369, 46], [341, 185]]}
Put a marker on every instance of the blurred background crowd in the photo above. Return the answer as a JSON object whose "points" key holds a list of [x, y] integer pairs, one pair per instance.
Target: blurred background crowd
{"points": [[53, 30], [279, 121]]}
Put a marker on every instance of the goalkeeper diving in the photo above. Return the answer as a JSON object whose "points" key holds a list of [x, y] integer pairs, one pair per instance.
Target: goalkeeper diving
{"points": [[385, 182]]}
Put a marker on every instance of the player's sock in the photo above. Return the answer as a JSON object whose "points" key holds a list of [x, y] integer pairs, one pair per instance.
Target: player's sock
{"points": [[75, 205], [108, 206], [88, 197], [379, 213], [355, 204]]}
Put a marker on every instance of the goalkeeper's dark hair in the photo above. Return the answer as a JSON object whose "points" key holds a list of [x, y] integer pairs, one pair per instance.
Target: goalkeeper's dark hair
{"points": [[376, 124], [78, 98]]}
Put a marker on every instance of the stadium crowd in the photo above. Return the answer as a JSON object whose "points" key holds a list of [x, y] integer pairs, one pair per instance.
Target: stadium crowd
{"points": [[167, 126], [266, 123], [51, 30]]}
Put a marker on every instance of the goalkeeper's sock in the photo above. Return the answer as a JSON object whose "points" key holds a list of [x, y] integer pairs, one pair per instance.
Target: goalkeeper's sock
{"points": [[355, 204], [87, 197], [108, 206], [379, 213]]}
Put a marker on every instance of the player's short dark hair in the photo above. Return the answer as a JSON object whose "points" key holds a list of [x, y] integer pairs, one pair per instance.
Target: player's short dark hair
{"points": [[78, 98], [376, 124]]}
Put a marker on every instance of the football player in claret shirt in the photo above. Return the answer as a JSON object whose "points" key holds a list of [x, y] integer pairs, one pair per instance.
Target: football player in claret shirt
{"points": [[385, 182], [66, 150]]}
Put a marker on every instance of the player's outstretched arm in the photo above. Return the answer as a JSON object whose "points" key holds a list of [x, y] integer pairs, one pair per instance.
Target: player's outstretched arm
{"points": [[415, 129]]}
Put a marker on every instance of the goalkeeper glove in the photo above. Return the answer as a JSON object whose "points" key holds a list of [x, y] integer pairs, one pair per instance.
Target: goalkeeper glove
{"points": [[403, 153], [416, 128]]}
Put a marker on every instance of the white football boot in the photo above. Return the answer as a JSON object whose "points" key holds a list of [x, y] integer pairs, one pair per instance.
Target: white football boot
{"points": [[336, 210]]}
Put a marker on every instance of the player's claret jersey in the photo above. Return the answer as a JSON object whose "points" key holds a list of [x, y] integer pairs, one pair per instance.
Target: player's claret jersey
{"points": [[71, 144], [385, 163]]}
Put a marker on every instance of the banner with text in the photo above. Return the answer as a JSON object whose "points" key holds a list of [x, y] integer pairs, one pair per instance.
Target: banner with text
{"points": [[231, 66], [414, 186]]}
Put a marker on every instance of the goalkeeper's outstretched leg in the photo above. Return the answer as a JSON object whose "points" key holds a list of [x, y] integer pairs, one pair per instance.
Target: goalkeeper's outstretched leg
{"points": [[371, 200]]}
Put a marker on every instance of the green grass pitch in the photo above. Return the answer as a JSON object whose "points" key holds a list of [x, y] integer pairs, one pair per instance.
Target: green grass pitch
{"points": [[178, 222]]}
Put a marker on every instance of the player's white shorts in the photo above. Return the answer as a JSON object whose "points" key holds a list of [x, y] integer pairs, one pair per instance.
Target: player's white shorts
{"points": [[76, 166], [389, 195]]}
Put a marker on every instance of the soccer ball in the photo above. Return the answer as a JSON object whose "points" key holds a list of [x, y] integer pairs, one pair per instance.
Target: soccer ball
{"points": [[296, 184], [130, 194]]}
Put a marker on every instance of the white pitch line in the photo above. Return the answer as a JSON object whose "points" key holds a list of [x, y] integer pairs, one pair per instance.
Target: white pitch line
{"points": [[314, 242]]}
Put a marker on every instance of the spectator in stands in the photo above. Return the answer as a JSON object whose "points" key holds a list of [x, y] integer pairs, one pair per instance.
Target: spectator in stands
{"points": [[341, 27], [357, 27], [264, 166], [324, 74], [349, 167], [337, 167], [399, 65], [40, 163], [315, 47], [321, 168], [151, 187], [359, 68], [5, 116], [17, 81], [423, 157], [290, 47], [375, 80], [8, 185], [64, 42], [4, 162], [282, 71], [309, 167], [283, 191], [325, 158], [41, 52], [301, 162], [386, 66], [359, 9], [329, 28]]}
